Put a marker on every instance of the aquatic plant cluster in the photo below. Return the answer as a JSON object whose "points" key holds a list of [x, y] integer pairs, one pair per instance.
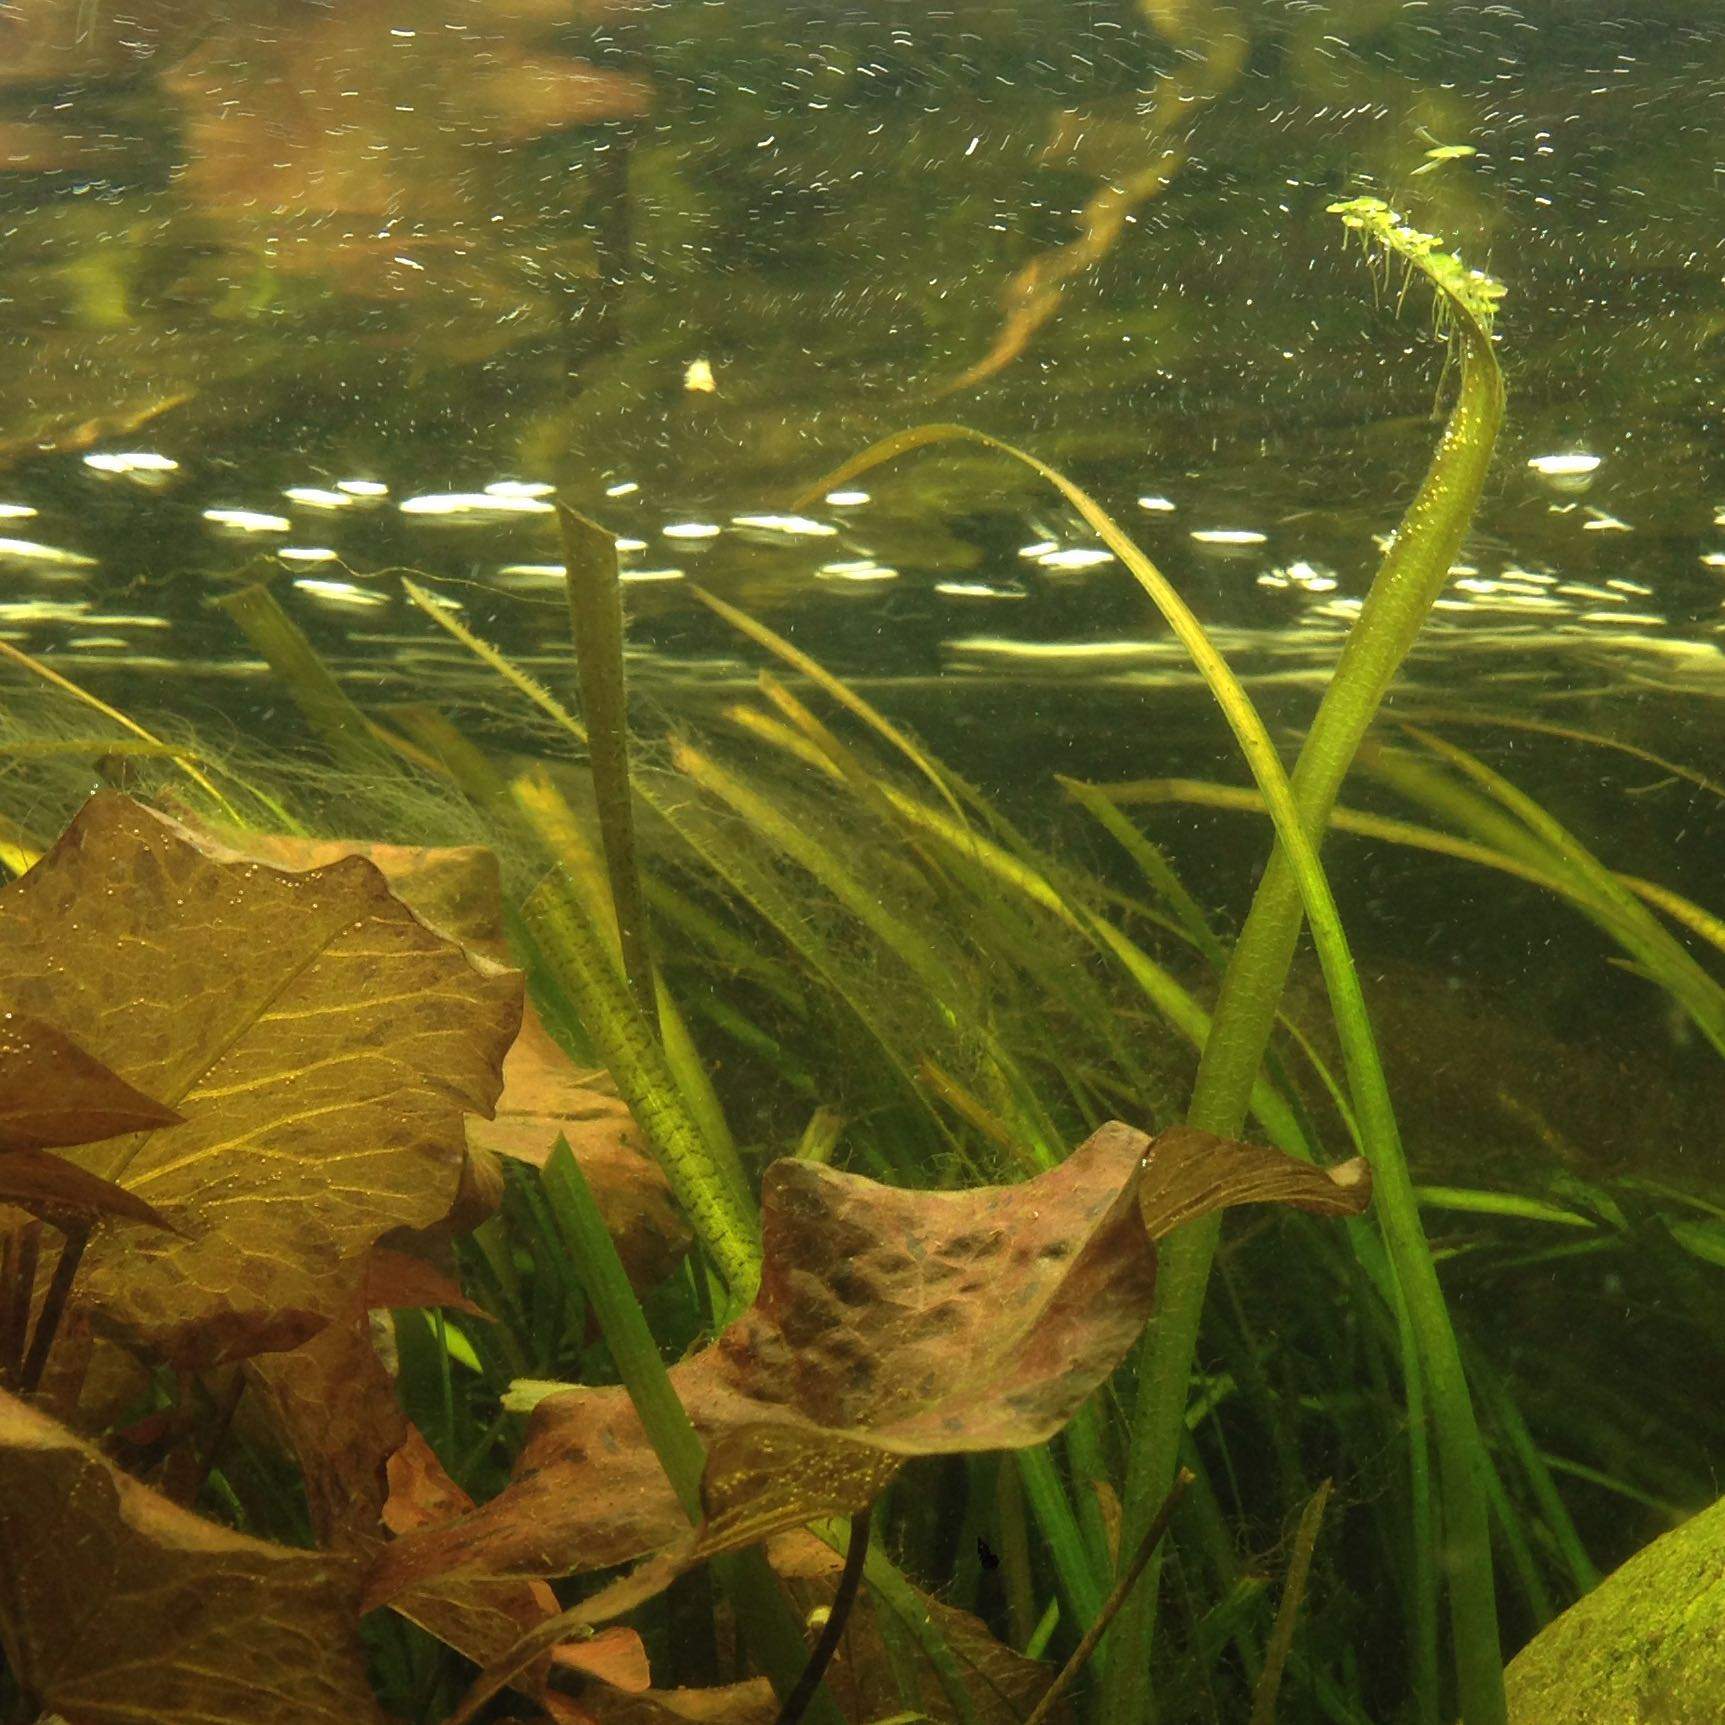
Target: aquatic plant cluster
{"points": [[356, 1187]]}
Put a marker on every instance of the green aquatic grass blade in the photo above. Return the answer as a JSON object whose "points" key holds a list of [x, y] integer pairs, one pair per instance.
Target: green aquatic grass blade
{"points": [[1700, 994], [757, 887], [768, 1625], [861, 899], [840, 691], [574, 953], [1152, 864], [58, 680], [1083, 1579], [511, 673], [1407, 583], [1529, 862], [1413, 575], [1569, 733], [596, 619], [310, 683]]}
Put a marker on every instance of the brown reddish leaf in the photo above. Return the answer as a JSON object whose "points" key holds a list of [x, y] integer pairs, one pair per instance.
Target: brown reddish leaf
{"points": [[1193, 1173], [889, 1323], [367, 1470], [399, 1279], [896, 1321], [63, 1193], [1003, 1686], [616, 1656], [118, 1606], [457, 890], [333, 1402], [546, 1095], [480, 1618], [321, 1042], [54, 1093]]}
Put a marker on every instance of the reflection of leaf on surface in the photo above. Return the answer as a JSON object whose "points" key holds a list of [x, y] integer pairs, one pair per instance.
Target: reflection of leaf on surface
{"points": [[116, 1605], [320, 1041], [889, 1323]]}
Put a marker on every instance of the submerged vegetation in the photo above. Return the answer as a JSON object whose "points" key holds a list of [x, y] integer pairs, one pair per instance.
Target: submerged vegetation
{"points": [[963, 1423]]}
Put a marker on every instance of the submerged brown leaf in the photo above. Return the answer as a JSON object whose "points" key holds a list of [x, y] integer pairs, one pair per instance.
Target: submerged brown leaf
{"points": [[54, 1093], [889, 1323], [321, 1042], [1191, 1173], [117, 1606], [457, 890], [63, 1193]]}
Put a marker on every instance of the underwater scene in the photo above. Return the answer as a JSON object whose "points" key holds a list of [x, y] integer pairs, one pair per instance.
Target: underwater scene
{"points": [[862, 862]]}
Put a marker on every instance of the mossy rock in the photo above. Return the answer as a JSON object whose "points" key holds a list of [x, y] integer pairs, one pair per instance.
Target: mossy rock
{"points": [[1646, 1647]]}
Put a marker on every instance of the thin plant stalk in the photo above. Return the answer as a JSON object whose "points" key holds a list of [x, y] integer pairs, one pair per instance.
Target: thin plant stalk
{"points": [[766, 1620], [596, 617]]}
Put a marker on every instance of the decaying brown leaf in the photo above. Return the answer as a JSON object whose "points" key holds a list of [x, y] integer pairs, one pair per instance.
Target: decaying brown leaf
{"points": [[68, 1196], [54, 1093], [321, 1042], [117, 1606], [1194, 1172], [889, 1323]]}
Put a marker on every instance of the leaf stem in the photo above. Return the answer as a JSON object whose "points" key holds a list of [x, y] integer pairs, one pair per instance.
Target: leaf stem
{"points": [[53, 1309], [1111, 1605], [832, 1631]]}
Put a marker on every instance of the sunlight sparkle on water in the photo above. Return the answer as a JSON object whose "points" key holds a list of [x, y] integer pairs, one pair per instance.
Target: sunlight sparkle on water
{"points": [[249, 520], [131, 461], [473, 505], [799, 526]]}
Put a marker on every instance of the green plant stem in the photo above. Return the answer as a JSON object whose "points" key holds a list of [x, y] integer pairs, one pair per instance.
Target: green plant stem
{"points": [[574, 955], [767, 1622], [1134, 1568], [1410, 580]]}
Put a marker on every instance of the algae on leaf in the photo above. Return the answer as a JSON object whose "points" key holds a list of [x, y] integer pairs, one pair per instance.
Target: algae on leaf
{"points": [[1645, 1647]]}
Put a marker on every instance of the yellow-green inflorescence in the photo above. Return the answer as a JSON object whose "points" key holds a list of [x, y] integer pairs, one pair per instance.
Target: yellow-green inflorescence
{"points": [[1471, 290]]}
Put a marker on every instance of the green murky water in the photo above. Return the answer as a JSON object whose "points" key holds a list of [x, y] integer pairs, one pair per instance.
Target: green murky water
{"points": [[310, 294]]}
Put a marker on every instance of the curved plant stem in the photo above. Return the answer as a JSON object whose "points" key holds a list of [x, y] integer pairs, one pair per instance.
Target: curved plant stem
{"points": [[832, 1631], [1410, 579]]}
